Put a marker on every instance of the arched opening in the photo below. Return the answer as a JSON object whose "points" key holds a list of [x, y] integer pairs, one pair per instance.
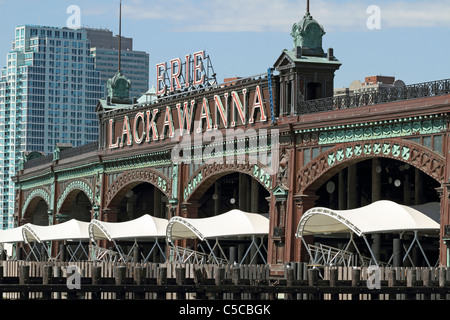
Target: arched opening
{"points": [[374, 179], [233, 191], [39, 215], [77, 206], [36, 212], [139, 199], [132, 202], [220, 194], [367, 181]]}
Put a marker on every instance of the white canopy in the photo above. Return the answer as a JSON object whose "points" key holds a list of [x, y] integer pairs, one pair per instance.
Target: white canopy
{"points": [[230, 224], [431, 209], [378, 217], [70, 230], [11, 235], [144, 227]]}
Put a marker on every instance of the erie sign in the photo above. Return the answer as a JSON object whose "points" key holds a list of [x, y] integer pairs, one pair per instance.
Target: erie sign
{"points": [[178, 74]]}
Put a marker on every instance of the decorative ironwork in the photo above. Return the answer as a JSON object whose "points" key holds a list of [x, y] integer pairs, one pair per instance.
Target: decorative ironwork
{"points": [[380, 95], [86, 148], [38, 161]]}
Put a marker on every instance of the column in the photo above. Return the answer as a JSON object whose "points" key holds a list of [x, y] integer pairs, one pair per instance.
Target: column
{"points": [[217, 197], [407, 190], [254, 206], [418, 186], [352, 195], [342, 190], [376, 195], [376, 180], [157, 203], [243, 191], [303, 203]]}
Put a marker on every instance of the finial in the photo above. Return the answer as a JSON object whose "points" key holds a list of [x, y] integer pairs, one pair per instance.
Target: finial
{"points": [[307, 6]]}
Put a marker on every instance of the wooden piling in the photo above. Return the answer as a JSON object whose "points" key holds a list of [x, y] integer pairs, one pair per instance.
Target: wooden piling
{"points": [[236, 280], [411, 278], [161, 280], [290, 281], [313, 275], [219, 280], [356, 276], [334, 282], [47, 275], [24, 278], [139, 279], [120, 277], [180, 276], [96, 280]]}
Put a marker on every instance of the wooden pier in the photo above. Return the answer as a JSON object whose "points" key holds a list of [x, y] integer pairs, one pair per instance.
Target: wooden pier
{"points": [[21, 280]]}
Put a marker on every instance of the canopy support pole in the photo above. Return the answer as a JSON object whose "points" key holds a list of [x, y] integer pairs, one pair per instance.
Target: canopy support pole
{"points": [[416, 239], [370, 249], [32, 247], [253, 243], [73, 252], [119, 250], [307, 248], [212, 253], [151, 250]]}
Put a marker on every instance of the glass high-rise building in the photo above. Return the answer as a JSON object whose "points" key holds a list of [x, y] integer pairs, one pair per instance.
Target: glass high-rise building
{"points": [[49, 89], [134, 64]]}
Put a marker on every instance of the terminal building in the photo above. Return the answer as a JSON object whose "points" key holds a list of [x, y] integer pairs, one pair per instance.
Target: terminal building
{"points": [[360, 175]]}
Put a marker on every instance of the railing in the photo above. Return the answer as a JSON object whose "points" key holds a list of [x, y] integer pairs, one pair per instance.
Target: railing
{"points": [[184, 255], [106, 281], [64, 154], [330, 256], [85, 148], [380, 95], [35, 162]]}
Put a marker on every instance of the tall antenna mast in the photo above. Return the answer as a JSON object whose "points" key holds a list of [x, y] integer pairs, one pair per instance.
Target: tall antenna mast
{"points": [[120, 32]]}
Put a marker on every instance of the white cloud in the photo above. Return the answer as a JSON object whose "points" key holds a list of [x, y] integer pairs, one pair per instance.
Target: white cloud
{"points": [[269, 15]]}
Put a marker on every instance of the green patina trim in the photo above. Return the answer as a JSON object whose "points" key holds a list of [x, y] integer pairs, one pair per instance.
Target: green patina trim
{"points": [[45, 179], [379, 129], [75, 185], [36, 193], [387, 149]]}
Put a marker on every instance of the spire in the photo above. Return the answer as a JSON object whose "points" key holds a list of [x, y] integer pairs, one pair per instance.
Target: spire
{"points": [[119, 86], [307, 34], [120, 33]]}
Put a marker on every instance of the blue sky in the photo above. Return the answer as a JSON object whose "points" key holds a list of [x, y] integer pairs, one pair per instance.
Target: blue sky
{"points": [[245, 37]]}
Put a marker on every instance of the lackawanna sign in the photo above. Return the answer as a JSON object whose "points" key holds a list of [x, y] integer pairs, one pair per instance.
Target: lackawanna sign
{"points": [[210, 112]]}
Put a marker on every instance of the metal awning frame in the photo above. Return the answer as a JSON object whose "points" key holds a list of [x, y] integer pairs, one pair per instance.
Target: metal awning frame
{"points": [[351, 241], [221, 258], [123, 256]]}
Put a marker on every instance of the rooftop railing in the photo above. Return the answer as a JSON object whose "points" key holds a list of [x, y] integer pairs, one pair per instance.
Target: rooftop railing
{"points": [[64, 154], [375, 96]]}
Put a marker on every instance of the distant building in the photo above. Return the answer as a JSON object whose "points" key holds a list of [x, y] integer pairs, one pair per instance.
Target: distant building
{"points": [[134, 64], [49, 89], [370, 83]]}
